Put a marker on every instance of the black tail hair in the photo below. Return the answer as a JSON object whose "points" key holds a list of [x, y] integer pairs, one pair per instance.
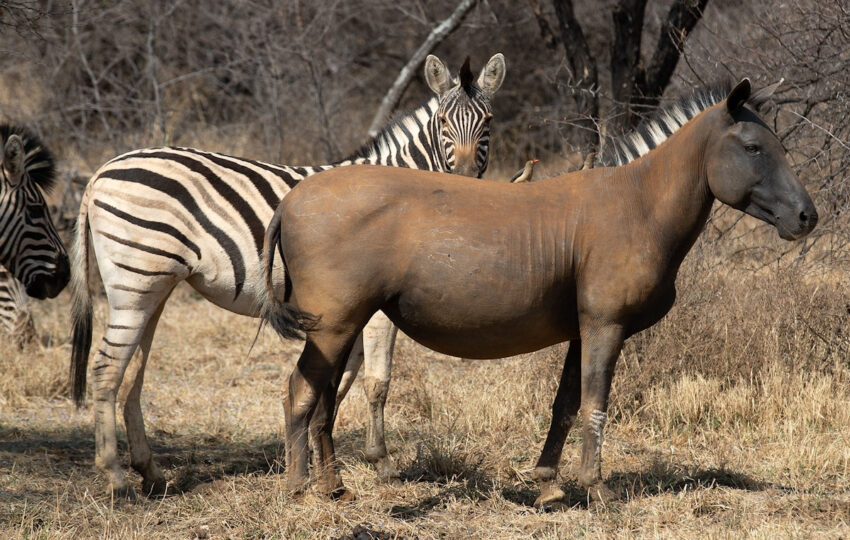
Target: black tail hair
{"points": [[287, 320], [80, 347]]}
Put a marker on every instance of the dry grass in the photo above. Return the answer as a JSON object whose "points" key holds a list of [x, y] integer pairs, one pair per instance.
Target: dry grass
{"points": [[729, 419]]}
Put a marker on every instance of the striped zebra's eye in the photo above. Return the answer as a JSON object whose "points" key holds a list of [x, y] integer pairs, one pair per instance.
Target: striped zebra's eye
{"points": [[35, 211]]}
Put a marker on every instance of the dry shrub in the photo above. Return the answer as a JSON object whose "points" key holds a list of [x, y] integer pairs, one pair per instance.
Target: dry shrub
{"points": [[728, 324]]}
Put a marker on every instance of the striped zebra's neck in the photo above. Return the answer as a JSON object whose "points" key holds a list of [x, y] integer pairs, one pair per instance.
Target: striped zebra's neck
{"points": [[410, 140]]}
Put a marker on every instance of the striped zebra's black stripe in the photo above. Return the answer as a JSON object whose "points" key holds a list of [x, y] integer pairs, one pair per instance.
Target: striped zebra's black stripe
{"points": [[156, 217], [153, 225]]}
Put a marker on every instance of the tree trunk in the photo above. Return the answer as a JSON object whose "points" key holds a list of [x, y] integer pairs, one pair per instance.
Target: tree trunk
{"points": [[626, 69], [585, 83]]}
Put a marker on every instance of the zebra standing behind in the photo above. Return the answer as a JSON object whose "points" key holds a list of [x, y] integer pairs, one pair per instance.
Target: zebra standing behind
{"points": [[15, 316], [159, 216], [30, 248]]}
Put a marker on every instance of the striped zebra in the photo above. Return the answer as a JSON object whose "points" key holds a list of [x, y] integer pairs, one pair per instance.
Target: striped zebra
{"points": [[15, 316], [30, 249], [159, 216]]}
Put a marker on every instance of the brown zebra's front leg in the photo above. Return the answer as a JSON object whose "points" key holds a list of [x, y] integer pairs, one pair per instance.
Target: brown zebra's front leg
{"points": [[601, 348]]}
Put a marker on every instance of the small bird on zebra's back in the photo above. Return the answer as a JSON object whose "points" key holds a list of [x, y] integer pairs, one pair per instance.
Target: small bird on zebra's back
{"points": [[524, 174]]}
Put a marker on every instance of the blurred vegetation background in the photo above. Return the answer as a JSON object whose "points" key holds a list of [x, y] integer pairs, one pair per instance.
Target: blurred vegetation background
{"points": [[299, 82]]}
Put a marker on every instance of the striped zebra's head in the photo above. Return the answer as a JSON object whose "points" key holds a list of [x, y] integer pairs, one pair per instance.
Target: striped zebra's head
{"points": [[461, 125], [29, 245]]}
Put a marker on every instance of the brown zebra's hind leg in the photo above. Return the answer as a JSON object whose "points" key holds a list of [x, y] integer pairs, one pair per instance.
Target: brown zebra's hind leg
{"points": [[564, 409], [318, 368], [328, 479]]}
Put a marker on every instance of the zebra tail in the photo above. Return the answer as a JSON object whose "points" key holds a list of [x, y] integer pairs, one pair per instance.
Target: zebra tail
{"points": [[82, 307], [287, 320]]}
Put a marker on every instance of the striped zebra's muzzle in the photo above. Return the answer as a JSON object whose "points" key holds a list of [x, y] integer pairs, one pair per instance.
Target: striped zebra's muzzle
{"points": [[43, 284]]}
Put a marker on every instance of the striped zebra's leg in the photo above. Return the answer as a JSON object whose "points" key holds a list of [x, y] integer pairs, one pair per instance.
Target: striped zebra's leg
{"points": [[123, 334], [141, 456], [378, 342], [355, 360]]}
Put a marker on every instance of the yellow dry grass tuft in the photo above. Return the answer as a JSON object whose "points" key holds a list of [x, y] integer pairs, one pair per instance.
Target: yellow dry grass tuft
{"points": [[731, 418]]}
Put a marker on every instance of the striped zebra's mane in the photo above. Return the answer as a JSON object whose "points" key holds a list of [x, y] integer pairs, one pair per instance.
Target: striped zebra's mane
{"points": [[663, 123], [39, 162], [402, 121]]}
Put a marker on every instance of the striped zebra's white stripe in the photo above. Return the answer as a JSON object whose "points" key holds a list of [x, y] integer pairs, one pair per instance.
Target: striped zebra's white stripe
{"points": [[159, 216]]}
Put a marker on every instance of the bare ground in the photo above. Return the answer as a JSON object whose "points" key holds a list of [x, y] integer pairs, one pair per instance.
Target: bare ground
{"points": [[729, 419]]}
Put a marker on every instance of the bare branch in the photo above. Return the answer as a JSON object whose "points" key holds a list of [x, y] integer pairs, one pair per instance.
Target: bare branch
{"points": [[545, 30], [584, 72], [626, 69], [681, 19], [406, 74]]}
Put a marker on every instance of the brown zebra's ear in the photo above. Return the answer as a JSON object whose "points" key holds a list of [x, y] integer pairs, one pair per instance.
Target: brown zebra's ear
{"points": [[437, 75], [493, 74], [13, 159], [738, 96], [761, 97]]}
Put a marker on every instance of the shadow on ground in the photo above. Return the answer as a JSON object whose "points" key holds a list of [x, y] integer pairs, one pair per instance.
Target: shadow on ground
{"points": [[189, 462]]}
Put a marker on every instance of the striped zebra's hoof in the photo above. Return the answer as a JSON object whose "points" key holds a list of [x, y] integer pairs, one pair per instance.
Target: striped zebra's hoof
{"points": [[387, 473], [126, 493], [602, 494]]}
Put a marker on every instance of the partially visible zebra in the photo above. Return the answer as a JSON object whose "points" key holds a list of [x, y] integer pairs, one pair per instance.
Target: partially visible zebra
{"points": [[30, 248], [15, 316], [159, 216]]}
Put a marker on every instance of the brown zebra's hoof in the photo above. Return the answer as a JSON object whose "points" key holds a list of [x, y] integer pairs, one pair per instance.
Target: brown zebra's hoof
{"points": [[550, 493], [155, 488]]}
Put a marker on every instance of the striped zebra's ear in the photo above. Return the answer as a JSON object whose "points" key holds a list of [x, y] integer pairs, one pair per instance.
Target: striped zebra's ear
{"points": [[13, 159], [437, 75], [493, 74]]}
